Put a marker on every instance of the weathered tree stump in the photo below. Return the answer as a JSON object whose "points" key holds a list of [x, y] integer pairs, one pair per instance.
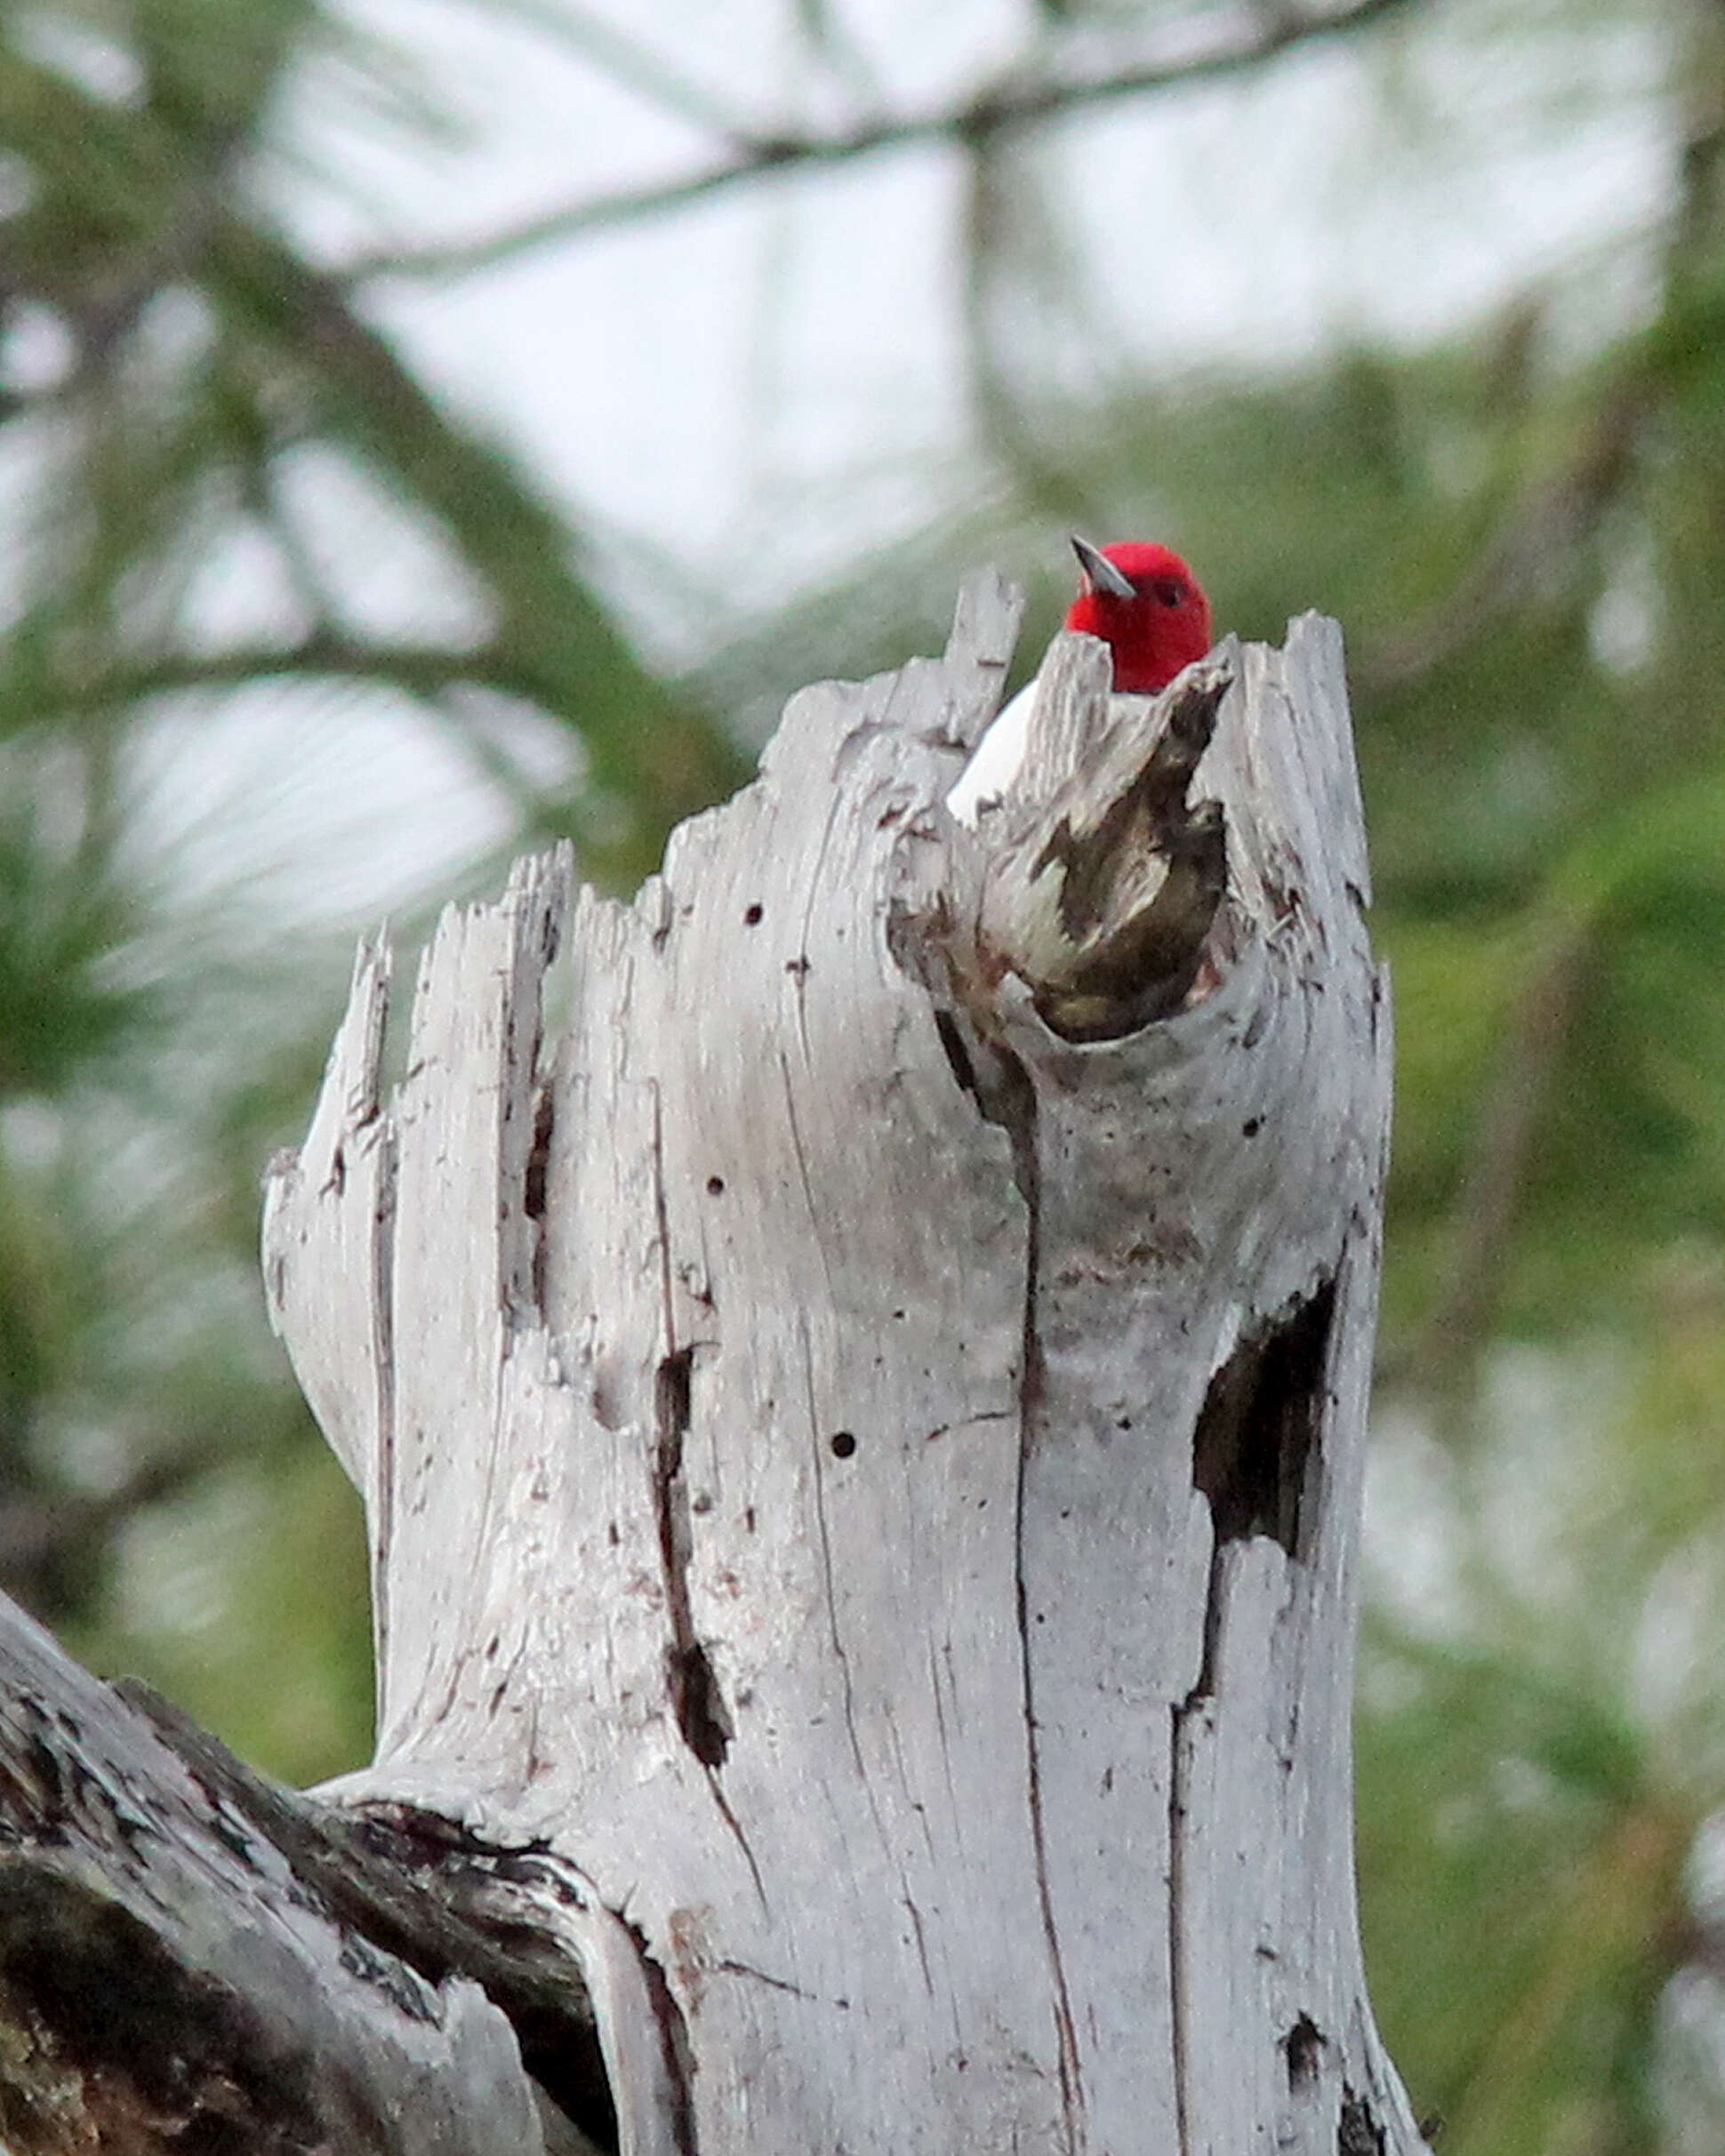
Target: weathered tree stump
{"points": [[862, 1430]]}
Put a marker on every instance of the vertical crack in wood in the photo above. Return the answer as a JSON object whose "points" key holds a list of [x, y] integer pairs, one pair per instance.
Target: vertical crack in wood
{"points": [[956, 1054], [819, 1448], [696, 1702], [695, 1697], [533, 1183], [1011, 1103], [1179, 1998], [533, 904], [1014, 1107], [838, 1654], [678, 2051]]}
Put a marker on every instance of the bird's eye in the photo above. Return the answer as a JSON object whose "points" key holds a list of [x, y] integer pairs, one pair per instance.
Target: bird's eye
{"points": [[1169, 591]]}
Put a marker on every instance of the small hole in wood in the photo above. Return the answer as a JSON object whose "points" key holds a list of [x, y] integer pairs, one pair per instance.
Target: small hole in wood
{"points": [[751, 917], [843, 1443], [1252, 1126], [715, 1186]]}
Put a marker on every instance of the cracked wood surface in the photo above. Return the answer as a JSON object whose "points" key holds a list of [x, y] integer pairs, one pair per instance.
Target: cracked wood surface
{"points": [[872, 1482]]}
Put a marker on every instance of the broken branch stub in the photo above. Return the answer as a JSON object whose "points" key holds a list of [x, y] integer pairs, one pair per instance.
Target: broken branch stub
{"points": [[189, 1960], [1102, 888], [862, 1436]]}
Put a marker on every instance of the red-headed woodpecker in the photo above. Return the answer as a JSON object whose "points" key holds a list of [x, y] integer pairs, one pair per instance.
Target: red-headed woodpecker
{"points": [[1150, 611]]}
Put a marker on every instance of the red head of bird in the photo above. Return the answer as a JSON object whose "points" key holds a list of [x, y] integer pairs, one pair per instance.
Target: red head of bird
{"points": [[1146, 605], [1144, 602]]}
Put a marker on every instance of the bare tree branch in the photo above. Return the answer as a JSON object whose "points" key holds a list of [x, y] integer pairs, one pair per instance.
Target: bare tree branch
{"points": [[434, 676], [419, 668], [996, 213], [191, 1955], [1244, 41]]}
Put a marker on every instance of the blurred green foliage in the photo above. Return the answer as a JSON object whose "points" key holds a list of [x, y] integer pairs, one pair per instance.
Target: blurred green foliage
{"points": [[1524, 535]]}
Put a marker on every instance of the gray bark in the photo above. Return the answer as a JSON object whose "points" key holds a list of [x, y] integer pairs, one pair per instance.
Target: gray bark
{"points": [[862, 1437]]}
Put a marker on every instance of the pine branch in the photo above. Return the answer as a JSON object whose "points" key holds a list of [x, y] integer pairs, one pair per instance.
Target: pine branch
{"points": [[1511, 1120]]}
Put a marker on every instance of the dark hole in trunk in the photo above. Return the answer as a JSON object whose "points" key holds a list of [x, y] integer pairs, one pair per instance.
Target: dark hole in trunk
{"points": [[1259, 1424]]}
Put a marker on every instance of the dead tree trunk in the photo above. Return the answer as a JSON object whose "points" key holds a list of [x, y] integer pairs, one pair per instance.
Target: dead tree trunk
{"points": [[861, 1434]]}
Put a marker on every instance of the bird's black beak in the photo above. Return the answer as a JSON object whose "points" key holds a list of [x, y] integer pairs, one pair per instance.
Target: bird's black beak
{"points": [[1100, 572]]}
